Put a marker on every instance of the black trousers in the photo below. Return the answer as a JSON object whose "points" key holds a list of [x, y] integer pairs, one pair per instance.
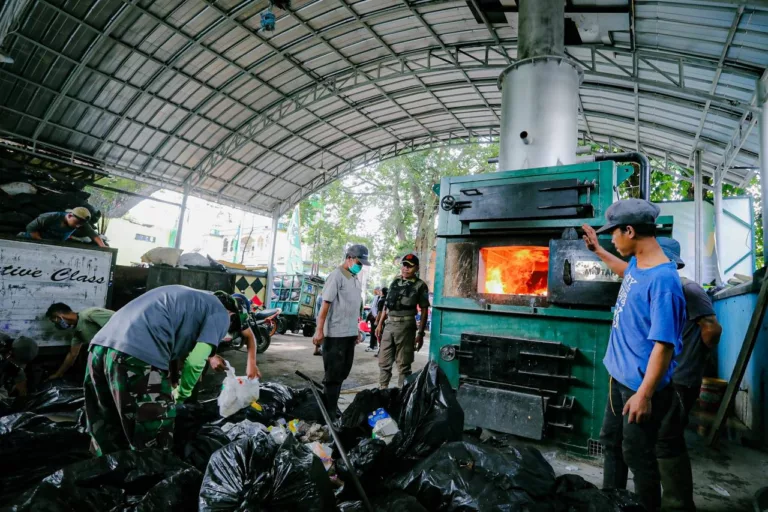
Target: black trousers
{"points": [[633, 445], [671, 442], [372, 323], [338, 354]]}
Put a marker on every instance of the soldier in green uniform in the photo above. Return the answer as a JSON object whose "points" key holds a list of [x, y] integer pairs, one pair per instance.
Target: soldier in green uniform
{"points": [[84, 327], [135, 359], [397, 331]]}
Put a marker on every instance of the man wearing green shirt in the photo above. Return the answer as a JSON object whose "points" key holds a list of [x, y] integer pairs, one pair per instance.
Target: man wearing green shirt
{"points": [[84, 326]]}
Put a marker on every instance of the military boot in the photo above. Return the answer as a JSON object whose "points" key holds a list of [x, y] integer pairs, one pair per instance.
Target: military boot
{"points": [[677, 484]]}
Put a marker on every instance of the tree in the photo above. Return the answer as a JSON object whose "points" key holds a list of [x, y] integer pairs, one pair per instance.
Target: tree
{"points": [[401, 189]]}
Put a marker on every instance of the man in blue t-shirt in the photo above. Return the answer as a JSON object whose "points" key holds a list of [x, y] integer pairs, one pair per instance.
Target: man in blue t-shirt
{"points": [[647, 332]]}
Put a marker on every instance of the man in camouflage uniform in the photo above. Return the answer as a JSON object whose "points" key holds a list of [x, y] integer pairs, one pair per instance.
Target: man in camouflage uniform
{"points": [[397, 331], [134, 362]]}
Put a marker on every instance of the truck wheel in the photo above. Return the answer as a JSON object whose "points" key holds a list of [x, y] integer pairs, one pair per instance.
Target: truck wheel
{"points": [[282, 325], [262, 344], [308, 331]]}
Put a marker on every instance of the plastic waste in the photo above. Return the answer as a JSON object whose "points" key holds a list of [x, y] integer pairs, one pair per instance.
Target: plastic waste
{"points": [[574, 494], [236, 393], [197, 449], [370, 460], [354, 425], [258, 474], [470, 476], [245, 428], [32, 447], [384, 427], [391, 502], [162, 256], [429, 415], [323, 452], [149, 480], [53, 399], [279, 434]]}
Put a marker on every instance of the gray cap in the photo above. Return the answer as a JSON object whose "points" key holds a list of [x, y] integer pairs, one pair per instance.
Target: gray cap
{"points": [[360, 252], [671, 248], [629, 212], [24, 350]]}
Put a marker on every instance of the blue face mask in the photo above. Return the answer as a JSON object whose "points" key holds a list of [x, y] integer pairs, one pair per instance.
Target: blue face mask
{"points": [[355, 269], [62, 324]]}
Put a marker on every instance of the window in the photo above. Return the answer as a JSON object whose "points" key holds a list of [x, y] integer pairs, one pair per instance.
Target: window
{"points": [[145, 238], [232, 245], [225, 247]]}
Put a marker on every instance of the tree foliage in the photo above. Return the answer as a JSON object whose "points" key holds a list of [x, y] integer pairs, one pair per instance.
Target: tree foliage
{"points": [[400, 191]]}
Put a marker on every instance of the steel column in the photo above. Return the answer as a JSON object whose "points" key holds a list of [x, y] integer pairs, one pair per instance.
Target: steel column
{"points": [[762, 94], [698, 204], [541, 25], [271, 260], [180, 225], [719, 217]]}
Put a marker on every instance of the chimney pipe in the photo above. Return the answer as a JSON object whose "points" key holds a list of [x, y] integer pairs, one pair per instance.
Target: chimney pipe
{"points": [[539, 92]]}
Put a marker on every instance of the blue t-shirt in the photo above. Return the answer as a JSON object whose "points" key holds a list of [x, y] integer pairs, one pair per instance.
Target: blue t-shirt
{"points": [[650, 308]]}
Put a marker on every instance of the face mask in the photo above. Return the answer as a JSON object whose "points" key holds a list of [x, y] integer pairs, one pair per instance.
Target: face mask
{"points": [[355, 269], [62, 325]]}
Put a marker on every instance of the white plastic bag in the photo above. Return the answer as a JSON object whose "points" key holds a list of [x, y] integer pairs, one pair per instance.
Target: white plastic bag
{"points": [[236, 393]]}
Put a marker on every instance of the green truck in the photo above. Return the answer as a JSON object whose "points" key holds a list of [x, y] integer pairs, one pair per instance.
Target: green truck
{"points": [[297, 295]]}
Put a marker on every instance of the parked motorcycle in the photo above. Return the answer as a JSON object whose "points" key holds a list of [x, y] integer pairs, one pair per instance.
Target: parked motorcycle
{"points": [[261, 331]]}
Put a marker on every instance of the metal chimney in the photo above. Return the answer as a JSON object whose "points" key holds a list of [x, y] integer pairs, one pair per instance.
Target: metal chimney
{"points": [[539, 98]]}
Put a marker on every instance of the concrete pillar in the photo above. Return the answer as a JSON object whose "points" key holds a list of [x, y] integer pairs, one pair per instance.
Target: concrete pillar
{"points": [[698, 204], [762, 91], [182, 213], [271, 261]]}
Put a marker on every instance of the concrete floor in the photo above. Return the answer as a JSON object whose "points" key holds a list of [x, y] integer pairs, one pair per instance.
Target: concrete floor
{"points": [[733, 469]]}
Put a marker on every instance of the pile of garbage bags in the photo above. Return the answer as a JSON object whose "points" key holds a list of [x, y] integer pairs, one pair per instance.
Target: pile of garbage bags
{"points": [[407, 447]]}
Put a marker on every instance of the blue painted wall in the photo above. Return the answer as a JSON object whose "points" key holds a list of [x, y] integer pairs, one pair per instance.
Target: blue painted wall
{"points": [[734, 313]]}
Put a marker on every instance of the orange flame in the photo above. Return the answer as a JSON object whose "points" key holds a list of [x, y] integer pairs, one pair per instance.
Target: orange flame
{"points": [[514, 270]]}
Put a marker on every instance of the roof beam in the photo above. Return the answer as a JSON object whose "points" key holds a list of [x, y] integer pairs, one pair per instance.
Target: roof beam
{"points": [[442, 45], [389, 50], [81, 65], [716, 78]]}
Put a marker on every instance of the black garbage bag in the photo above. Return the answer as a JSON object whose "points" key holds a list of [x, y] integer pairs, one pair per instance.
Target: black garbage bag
{"points": [[470, 476], [304, 407], [32, 447], [199, 446], [429, 415], [149, 480], [53, 399], [258, 474], [354, 419], [370, 459], [391, 502], [575, 494]]}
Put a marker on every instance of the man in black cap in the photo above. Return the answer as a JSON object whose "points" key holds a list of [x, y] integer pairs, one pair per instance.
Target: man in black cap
{"points": [[337, 322], [646, 334], [396, 329]]}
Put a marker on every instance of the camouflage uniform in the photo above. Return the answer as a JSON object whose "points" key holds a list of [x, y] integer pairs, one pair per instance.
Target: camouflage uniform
{"points": [[128, 403], [398, 338]]}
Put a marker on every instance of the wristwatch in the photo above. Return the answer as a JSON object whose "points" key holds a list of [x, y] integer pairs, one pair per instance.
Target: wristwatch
{"points": [[420, 333]]}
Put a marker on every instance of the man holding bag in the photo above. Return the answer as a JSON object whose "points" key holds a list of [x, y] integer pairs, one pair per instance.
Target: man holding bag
{"points": [[133, 363]]}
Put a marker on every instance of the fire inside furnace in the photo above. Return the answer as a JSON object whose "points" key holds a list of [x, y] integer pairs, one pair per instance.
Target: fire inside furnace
{"points": [[514, 270]]}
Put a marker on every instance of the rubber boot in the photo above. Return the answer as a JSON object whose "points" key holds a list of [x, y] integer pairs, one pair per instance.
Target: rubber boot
{"points": [[677, 484]]}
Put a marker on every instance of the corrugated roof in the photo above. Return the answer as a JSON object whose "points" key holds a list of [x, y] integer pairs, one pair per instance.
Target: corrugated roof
{"points": [[192, 93]]}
